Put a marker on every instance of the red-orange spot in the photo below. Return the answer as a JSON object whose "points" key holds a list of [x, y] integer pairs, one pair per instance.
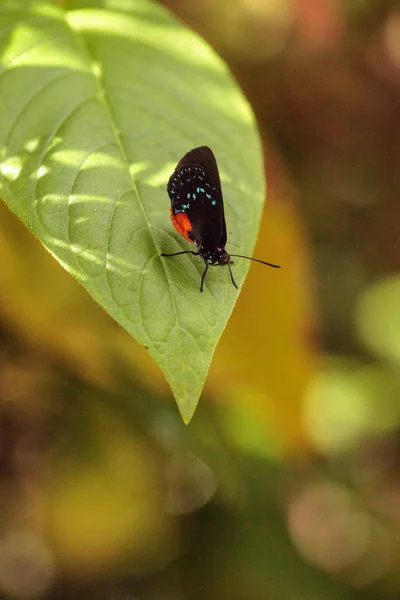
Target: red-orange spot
{"points": [[182, 224]]}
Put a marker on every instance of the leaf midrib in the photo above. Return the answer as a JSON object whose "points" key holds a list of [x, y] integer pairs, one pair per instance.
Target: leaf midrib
{"points": [[102, 96]]}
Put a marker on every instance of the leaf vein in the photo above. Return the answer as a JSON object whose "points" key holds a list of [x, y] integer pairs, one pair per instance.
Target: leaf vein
{"points": [[32, 99]]}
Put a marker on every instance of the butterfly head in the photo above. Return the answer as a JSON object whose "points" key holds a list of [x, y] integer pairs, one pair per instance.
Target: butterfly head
{"points": [[217, 256]]}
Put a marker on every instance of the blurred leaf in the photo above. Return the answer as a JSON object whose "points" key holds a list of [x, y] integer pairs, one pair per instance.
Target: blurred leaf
{"points": [[348, 401], [104, 498], [264, 362], [97, 108], [378, 318]]}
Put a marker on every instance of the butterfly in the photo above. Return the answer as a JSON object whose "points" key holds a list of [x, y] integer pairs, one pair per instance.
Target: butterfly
{"points": [[197, 210]]}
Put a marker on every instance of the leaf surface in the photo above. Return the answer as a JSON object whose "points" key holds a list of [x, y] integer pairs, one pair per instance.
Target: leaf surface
{"points": [[98, 104]]}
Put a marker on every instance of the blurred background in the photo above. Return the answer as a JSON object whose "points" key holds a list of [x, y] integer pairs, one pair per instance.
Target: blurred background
{"points": [[286, 484]]}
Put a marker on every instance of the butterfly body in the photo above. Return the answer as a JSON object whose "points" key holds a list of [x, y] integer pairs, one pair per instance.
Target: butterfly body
{"points": [[197, 208]]}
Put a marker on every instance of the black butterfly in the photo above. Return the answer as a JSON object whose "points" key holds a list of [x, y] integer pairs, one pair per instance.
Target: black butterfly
{"points": [[197, 209]]}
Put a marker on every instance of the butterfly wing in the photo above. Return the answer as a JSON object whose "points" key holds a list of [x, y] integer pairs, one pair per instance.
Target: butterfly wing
{"points": [[197, 208]]}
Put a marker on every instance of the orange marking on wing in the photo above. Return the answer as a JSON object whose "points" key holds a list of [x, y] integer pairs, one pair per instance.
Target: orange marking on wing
{"points": [[182, 224]]}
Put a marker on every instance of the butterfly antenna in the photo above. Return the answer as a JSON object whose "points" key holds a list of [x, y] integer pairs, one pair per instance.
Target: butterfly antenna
{"points": [[231, 274], [263, 262]]}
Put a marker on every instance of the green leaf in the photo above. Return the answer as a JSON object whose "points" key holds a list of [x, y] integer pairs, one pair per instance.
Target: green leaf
{"points": [[97, 106]]}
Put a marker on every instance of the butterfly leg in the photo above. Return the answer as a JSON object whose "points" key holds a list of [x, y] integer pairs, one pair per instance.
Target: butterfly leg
{"points": [[231, 274], [183, 252], [203, 277]]}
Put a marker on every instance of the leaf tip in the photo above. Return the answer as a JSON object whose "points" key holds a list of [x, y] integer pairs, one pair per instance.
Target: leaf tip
{"points": [[187, 409]]}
